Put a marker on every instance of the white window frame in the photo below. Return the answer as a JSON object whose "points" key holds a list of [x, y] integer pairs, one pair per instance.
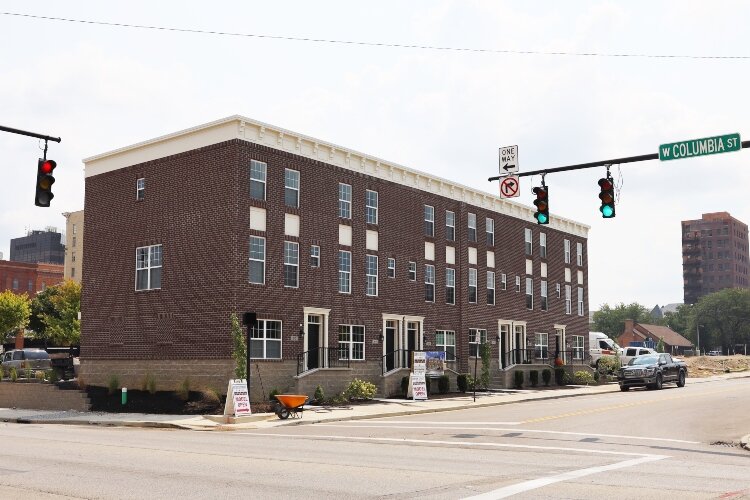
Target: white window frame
{"points": [[518, 284], [371, 206], [291, 263], [543, 245], [391, 267], [503, 281], [429, 283], [566, 244], [140, 190], [490, 230], [412, 271], [261, 259], [429, 220], [529, 293], [450, 225], [557, 288], [527, 240], [568, 308], [372, 275], [151, 266], [580, 301], [445, 340], [541, 346], [314, 256], [260, 335], [579, 253], [544, 302], [345, 271], [291, 186], [450, 286], [258, 167], [354, 349], [577, 346], [477, 336], [345, 201], [471, 220], [490, 288], [472, 285]]}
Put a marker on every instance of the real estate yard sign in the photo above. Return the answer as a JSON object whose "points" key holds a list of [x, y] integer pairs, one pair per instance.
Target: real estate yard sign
{"points": [[417, 383], [238, 400], [435, 363]]}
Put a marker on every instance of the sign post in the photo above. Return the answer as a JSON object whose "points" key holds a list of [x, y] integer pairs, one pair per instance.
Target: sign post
{"points": [[700, 147]]}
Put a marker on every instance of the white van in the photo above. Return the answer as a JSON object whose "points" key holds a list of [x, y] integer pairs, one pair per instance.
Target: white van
{"points": [[601, 345]]}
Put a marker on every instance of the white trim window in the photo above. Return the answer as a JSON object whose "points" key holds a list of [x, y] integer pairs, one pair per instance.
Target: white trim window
{"points": [[450, 225], [429, 220], [472, 286], [412, 271], [445, 340], [503, 281], [352, 342], [148, 262], [314, 256], [345, 201], [577, 346], [472, 224], [140, 191], [371, 206], [518, 284], [541, 346], [345, 271], [527, 241], [529, 293], [257, 273], [490, 229], [429, 283], [579, 253], [265, 339], [566, 244], [580, 301], [291, 264], [291, 188], [258, 180], [568, 307], [450, 286], [557, 288], [372, 275], [391, 267], [543, 245], [477, 337], [543, 286], [491, 288]]}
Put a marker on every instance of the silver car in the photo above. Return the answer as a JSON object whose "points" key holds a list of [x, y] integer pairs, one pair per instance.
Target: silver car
{"points": [[25, 359]]}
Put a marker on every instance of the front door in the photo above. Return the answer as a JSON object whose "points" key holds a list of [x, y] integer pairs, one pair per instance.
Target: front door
{"points": [[412, 340], [520, 351], [390, 345], [313, 342], [504, 349]]}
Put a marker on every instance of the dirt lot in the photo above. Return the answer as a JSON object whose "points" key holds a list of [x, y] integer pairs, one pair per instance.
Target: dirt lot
{"points": [[706, 366]]}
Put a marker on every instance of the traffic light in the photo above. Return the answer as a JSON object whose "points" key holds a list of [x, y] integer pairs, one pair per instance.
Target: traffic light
{"points": [[607, 195], [542, 205], [44, 181]]}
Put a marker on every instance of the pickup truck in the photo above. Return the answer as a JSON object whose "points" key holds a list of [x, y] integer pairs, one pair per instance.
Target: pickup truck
{"points": [[652, 371]]}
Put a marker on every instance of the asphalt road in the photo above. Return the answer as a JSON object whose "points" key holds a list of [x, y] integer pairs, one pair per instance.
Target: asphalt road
{"points": [[641, 444]]}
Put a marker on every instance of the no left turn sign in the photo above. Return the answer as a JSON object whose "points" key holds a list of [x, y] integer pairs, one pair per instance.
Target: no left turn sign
{"points": [[509, 187]]}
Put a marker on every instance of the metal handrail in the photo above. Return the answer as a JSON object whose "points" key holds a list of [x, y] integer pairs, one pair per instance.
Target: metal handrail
{"points": [[399, 358], [327, 357]]}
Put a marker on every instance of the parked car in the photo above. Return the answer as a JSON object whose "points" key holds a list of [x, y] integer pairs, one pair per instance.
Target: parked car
{"points": [[714, 353], [628, 353], [25, 359], [652, 371]]}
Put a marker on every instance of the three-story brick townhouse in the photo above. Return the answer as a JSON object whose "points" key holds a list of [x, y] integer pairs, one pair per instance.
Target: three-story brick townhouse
{"points": [[349, 262]]}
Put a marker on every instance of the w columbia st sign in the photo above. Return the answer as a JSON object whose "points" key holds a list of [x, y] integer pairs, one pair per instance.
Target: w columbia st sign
{"points": [[700, 147]]}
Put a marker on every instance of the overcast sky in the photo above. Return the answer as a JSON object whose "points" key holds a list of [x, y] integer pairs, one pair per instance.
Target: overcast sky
{"points": [[439, 111]]}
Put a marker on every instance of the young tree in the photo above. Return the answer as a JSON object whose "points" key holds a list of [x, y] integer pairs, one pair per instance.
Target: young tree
{"points": [[660, 345], [239, 347], [611, 321], [62, 326], [726, 316], [14, 313], [41, 305]]}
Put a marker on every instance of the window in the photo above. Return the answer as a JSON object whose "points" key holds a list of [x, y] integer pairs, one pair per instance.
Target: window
{"points": [[503, 282], [371, 206], [345, 271], [352, 342], [291, 264], [490, 288], [557, 287], [257, 180], [580, 301], [541, 345], [147, 268], [257, 260], [74, 228], [72, 256], [543, 245], [518, 283], [577, 346], [345, 201], [473, 227], [72, 272], [567, 299], [291, 188], [140, 188], [429, 283], [490, 228], [567, 251], [445, 340], [529, 293], [429, 220], [450, 225], [74, 241], [265, 340], [372, 275], [579, 254], [450, 286], [391, 268], [527, 241], [314, 256], [477, 337], [472, 286], [412, 271], [30, 285], [544, 295]]}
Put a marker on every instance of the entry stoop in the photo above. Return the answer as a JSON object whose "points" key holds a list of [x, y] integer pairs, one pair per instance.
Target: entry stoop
{"points": [[41, 396]]}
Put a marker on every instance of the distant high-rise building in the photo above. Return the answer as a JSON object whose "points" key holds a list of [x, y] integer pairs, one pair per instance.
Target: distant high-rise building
{"points": [[714, 255], [73, 245], [38, 247]]}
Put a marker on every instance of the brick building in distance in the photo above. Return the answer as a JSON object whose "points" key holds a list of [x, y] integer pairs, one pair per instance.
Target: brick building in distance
{"points": [[25, 277], [73, 245], [714, 255], [348, 261]]}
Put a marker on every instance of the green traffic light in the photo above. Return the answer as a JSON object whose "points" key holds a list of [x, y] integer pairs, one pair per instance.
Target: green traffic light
{"points": [[541, 218], [608, 211]]}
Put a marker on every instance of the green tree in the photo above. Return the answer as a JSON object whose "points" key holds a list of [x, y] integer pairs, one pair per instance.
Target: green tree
{"points": [[484, 377], [15, 311], [724, 317], [41, 305], [611, 321], [239, 347], [62, 326], [681, 321], [660, 345]]}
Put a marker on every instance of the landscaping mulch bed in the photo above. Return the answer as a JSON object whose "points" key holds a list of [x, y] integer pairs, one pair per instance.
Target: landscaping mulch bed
{"points": [[161, 402]]}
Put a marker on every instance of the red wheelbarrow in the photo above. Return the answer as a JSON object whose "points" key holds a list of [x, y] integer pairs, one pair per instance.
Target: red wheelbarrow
{"points": [[289, 404]]}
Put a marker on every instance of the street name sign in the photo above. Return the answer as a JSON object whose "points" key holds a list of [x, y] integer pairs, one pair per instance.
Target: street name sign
{"points": [[508, 160], [700, 147]]}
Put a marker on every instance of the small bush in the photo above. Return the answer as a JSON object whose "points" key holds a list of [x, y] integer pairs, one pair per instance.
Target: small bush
{"points": [[583, 377], [28, 373], [560, 376], [404, 386], [360, 389], [608, 365], [13, 374], [546, 376], [273, 393], [183, 391], [518, 379], [462, 382], [113, 384], [534, 378], [596, 377], [444, 384], [211, 395], [149, 383], [39, 375], [319, 395], [51, 375], [471, 382]]}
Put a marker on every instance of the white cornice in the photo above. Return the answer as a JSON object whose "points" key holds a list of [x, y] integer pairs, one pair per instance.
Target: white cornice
{"points": [[247, 129]]}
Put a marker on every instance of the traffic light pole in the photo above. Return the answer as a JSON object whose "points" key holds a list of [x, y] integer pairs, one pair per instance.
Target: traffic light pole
{"points": [[45, 138]]}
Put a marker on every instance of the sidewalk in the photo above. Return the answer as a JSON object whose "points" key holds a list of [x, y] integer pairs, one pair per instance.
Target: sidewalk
{"points": [[317, 414]]}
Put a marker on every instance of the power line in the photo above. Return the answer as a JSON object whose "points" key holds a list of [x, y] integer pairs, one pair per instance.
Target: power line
{"points": [[375, 44]]}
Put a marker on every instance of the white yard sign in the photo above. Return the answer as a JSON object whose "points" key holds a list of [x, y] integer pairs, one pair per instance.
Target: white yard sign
{"points": [[238, 400]]}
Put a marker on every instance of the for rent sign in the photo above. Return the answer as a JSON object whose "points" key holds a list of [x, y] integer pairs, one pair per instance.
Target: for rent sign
{"points": [[700, 147]]}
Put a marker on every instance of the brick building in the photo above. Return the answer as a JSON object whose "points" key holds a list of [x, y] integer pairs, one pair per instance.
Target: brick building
{"points": [[73, 245], [38, 246], [674, 343], [24, 277], [348, 261], [714, 255]]}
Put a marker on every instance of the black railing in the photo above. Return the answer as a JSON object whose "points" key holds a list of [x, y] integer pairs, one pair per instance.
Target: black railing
{"points": [[322, 357], [518, 357], [400, 358], [573, 357], [542, 356]]}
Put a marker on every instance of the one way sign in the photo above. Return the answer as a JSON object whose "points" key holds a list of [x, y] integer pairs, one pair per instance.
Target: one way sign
{"points": [[508, 160]]}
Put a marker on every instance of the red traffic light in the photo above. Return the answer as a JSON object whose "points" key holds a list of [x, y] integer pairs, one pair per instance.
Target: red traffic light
{"points": [[605, 184], [48, 166]]}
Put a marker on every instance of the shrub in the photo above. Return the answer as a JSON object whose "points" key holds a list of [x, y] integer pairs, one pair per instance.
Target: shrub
{"points": [[273, 393], [560, 376], [596, 377], [51, 375], [462, 382], [28, 373], [183, 391], [113, 384], [518, 379], [444, 384], [319, 395], [583, 377], [149, 383], [13, 374], [484, 377], [534, 378], [39, 375], [211, 395], [608, 365], [404, 386], [360, 389], [546, 376]]}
